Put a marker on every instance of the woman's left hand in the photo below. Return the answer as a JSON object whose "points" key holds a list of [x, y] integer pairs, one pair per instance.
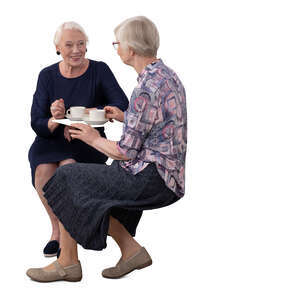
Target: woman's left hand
{"points": [[67, 133], [84, 132]]}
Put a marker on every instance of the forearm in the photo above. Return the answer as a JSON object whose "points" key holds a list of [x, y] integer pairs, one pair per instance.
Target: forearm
{"points": [[52, 125], [109, 148], [41, 126]]}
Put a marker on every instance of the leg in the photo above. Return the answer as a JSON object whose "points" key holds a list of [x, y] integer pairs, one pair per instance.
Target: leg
{"points": [[69, 253], [134, 256], [42, 174], [128, 245], [67, 267]]}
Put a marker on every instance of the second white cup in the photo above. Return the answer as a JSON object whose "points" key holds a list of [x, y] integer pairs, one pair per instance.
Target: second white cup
{"points": [[97, 115]]}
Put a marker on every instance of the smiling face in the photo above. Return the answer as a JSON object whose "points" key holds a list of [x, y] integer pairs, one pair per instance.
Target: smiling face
{"points": [[72, 47]]}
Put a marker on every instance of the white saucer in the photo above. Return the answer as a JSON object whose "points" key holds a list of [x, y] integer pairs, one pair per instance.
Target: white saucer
{"points": [[95, 122], [68, 122]]}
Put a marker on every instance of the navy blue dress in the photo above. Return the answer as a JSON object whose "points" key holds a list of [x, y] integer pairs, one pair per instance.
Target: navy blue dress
{"points": [[97, 87]]}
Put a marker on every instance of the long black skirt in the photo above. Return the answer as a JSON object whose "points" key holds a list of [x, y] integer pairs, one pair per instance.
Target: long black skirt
{"points": [[83, 196]]}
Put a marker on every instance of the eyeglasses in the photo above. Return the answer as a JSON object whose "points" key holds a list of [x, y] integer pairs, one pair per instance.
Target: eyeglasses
{"points": [[116, 45]]}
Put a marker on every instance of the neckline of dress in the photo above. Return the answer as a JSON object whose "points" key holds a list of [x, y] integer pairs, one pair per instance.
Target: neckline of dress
{"points": [[85, 72]]}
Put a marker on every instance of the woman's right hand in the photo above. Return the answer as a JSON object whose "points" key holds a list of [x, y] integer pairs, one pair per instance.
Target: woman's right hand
{"points": [[57, 109], [113, 112]]}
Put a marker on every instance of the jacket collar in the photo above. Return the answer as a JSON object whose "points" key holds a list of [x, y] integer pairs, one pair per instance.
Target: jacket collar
{"points": [[149, 68]]}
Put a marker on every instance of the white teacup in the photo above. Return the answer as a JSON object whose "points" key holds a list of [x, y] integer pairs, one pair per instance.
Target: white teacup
{"points": [[75, 112], [97, 115]]}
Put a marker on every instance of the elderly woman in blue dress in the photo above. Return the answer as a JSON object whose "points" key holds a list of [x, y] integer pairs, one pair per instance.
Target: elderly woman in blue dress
{"points": [[93, 201], [74, 81]]}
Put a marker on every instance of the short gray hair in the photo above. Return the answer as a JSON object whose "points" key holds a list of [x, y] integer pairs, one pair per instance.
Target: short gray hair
{"points": [[68, 25], [140, 34]]}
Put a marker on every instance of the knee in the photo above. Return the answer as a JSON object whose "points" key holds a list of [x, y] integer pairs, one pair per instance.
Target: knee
{"points": [[43, 173], [66, 169], [67, 162]]}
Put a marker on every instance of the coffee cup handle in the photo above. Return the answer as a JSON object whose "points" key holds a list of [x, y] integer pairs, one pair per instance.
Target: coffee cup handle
{"points": [[68, 112]]}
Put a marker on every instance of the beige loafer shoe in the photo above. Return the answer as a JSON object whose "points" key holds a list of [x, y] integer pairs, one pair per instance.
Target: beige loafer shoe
{"points": [[69, 273], [140, 260]]}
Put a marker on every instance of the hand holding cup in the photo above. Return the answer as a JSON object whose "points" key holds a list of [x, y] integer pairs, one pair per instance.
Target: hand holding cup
{"points": [[57, 109], [113, 112]]}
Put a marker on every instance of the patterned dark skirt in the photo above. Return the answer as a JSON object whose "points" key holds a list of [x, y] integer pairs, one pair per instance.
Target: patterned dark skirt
{"points": [[83, 196]]}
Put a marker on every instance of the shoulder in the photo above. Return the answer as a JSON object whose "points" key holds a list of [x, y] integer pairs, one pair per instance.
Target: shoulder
{"points": [[99, 65], [155, 77], [46, 73], [161, 78], [49, 68], [101, 69]]}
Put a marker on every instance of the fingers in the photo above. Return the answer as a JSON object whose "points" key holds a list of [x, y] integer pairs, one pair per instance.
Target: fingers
{"points": [[57, 109], [113, 112], [74, 131], [58, 115], [67, 133], [76, 134], [79, 126], [110, 112], [60, 107], [78, 129], [58, 104], [68, 137], [109, 108]]}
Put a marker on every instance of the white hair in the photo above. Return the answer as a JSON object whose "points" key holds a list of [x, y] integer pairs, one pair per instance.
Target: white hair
{"points": [[68, 25], [140, 34]]}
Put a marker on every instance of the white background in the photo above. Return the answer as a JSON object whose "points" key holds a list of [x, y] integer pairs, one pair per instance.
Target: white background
{"points": [[235, 234]]}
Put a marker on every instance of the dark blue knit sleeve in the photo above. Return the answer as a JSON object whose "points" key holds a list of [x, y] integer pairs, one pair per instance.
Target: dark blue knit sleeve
{"points": [[111, 90], [40, 109]]}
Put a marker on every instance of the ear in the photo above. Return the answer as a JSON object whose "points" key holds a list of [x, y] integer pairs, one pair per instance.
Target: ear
{"points": [[131, 52]]}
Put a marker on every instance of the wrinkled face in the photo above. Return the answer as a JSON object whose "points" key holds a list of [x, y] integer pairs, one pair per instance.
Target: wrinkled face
{"points": [[125, 54], [72, 47]]}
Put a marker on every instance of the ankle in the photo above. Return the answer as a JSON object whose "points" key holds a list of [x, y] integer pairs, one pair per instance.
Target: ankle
{"points": [[54, 238], [65, 262], [129, 252], [68, 256], [55, 235]]}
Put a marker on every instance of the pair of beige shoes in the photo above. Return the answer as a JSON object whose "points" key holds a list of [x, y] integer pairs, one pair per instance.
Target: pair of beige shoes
{"points": [[73, 273]]}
